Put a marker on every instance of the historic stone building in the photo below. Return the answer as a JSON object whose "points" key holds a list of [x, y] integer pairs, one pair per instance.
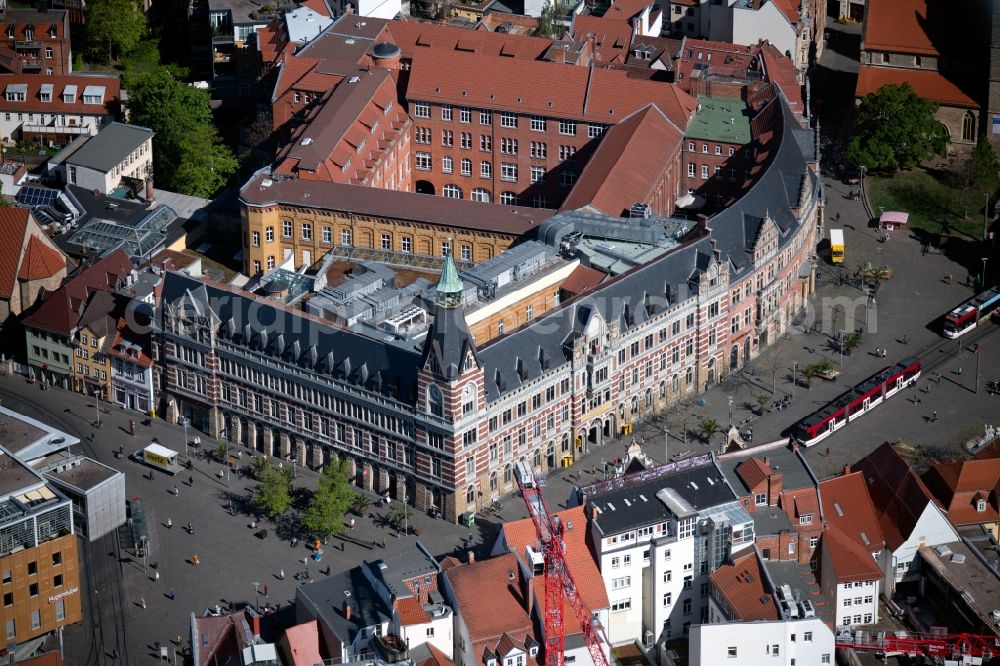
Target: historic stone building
{"points": [[441, 421]]}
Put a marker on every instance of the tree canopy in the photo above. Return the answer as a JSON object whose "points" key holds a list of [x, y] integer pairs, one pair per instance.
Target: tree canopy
{"points": [[188, 155], [113, 27], [896, 129], [547, 21], [273, 495], [330, 501]]}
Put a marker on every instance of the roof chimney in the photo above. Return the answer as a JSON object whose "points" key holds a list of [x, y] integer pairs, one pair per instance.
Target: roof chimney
{"points": [[767, 461], [472, 557], [347, 610], [847, 470]]}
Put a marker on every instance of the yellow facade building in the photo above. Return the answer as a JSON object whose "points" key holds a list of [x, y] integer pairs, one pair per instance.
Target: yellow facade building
{"points": [[307, 219]]}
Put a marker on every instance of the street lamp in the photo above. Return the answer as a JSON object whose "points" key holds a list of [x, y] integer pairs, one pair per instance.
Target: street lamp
{"points": [[841, 335], [666, 445], [983, 284], [406, 515], [256, 596], [730, 398], [97, 406], [795, 369], [185, 421]]}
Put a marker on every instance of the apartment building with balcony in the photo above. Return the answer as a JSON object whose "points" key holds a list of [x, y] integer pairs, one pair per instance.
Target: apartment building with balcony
{"points": [[39, 561], [657, 536], [54, 110], [35, 41], [233, 31]]}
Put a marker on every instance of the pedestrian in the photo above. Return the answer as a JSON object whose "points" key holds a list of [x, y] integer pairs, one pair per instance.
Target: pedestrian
{"points": [[281, 574], [170, 523], [131, 427], [171, 594], [265, 590], [883, 352], [176, 490], [190, 481], [828, 451], [934, 417], [156, 576], [352, 523], [156, 647], [114, 653], [142, 602], [195, 560]]}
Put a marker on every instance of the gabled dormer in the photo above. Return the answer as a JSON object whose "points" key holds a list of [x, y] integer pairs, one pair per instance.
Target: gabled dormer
{"points": [[766, 242]]}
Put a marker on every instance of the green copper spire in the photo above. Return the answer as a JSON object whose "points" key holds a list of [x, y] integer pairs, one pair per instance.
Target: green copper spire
{"points": [[449, 285]]}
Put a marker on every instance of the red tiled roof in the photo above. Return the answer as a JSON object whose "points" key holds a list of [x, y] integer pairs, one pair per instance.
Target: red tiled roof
{"points": [[550, 89], [13, 224], [608, 33], [850, 560], [798, 503], [626, 9], [489, 603], [790, 9], [413, 37], [318, 6], [847, 506], [780, 70], [991, 450], [34, 104], [898, 26], [521, 533], [411, 611], [897, 493], [955, 484], [742, 585], [294, 70], [303, 644], [40, 261], [61, 311], [629, 163], [437, 657], [581, 279], [721, 59], [753, 472], [926, 83]]}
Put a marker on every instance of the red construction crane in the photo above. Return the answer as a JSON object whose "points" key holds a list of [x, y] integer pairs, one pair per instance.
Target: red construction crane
{"points": [[559, 583], [940, 645]]}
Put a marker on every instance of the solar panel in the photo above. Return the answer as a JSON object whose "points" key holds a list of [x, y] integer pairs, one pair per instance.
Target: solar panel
{"points": [[42, 217], [36, 196]]}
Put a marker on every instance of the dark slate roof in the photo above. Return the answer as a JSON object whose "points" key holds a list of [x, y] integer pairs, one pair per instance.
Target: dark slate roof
{"points": [[521, 355], [774, 194], [636, 504], [449, 340], [329, 596], [266, 327], [110, 146], [546, 343]]}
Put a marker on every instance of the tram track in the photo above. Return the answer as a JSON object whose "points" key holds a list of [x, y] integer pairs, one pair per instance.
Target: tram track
{"points": [[106, 550]]}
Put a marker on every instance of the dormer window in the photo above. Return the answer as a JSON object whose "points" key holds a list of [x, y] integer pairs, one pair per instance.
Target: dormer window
{"points": [[533, 651], [17, 92], [93, 95], [29, 34], [980, 505], [69, 95], [52, 31], [491, 662], [806, 519], [10, 32], [45, 92]]}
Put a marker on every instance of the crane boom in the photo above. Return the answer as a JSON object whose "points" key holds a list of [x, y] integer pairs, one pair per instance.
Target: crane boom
{"points": [[939, 645], [559, 584]]}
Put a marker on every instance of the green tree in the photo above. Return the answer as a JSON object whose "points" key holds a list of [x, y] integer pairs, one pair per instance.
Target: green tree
{"points": [[548, 25], [113, 27], [330, 501], [709, 428], [360, 503], [188, 155], [978, 174], [221, 450], [399, 515], [896, 129], [762, 400], [273, 495]]}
